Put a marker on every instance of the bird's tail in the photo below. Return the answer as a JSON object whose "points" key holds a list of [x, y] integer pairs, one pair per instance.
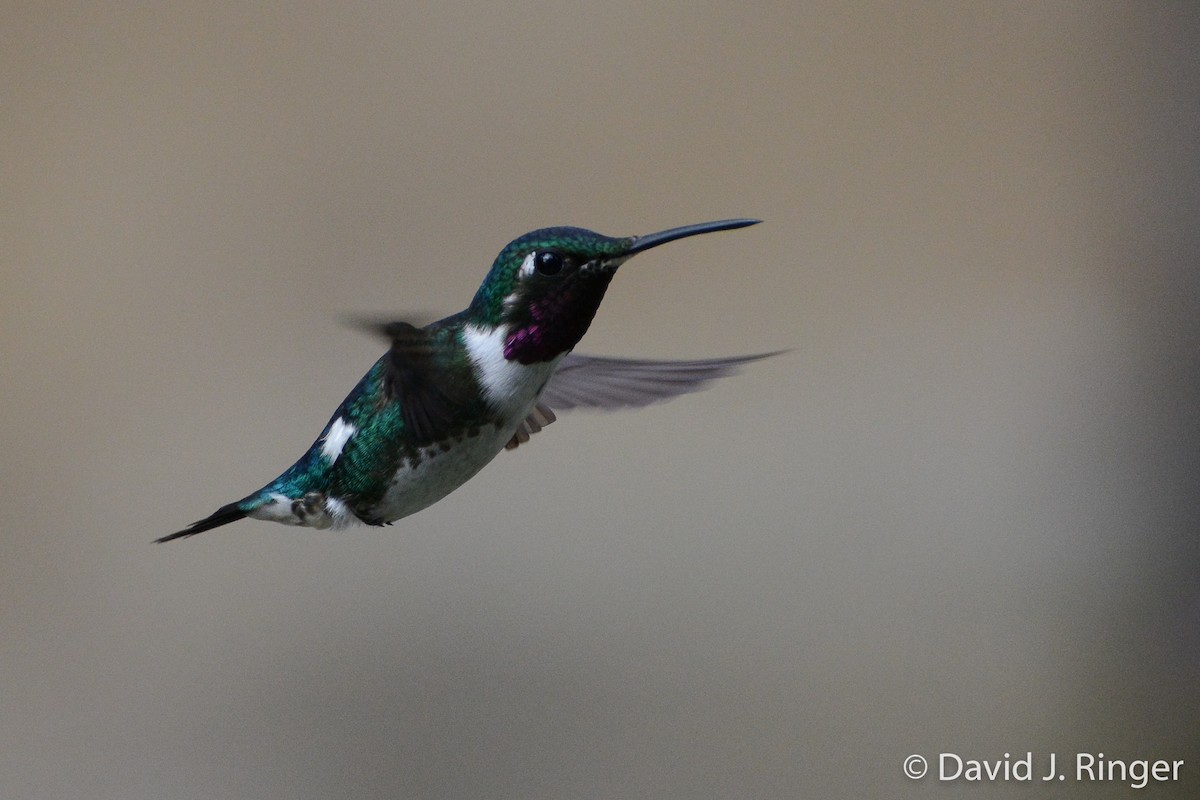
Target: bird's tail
{"points": [[222, 516]]}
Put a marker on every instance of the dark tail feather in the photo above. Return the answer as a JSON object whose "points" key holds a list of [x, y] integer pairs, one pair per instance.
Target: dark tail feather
{"points": [[222, 516]]}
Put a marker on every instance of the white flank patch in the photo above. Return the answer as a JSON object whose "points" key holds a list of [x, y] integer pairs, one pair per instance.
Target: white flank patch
{"points": [[510, 386], [339, 514], [278, 509], [331, 513], [339, 433]]}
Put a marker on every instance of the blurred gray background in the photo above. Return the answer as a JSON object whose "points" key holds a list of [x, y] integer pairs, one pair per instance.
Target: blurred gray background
{"points": [[959, 516]]}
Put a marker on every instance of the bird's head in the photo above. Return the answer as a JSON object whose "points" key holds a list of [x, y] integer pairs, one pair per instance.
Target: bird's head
{"points": [[545, 287]]}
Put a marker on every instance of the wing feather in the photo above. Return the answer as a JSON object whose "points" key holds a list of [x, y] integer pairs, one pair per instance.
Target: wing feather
{"points": [[612, 383], [616, 383]]}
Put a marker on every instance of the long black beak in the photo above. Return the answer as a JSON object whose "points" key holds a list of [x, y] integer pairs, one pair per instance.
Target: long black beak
{"points": [[641, 243]]}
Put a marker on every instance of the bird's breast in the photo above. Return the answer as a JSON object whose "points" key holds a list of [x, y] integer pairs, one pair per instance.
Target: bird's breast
{"points": [[510, 387]]}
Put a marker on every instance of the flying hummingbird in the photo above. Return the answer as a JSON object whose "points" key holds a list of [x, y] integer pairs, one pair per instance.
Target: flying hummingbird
{"points": [[448, 397]]}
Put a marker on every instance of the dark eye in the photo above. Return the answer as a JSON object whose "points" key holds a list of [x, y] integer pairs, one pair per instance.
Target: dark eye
{"points": [[548, 262]]}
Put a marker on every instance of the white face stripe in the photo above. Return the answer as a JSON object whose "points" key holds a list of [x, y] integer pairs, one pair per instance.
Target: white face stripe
{"points": [[339, 433], [527, 265]]}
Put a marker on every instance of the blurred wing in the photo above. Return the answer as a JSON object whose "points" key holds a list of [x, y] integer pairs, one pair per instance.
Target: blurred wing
{"points": [[612, 383], [433, 403]]}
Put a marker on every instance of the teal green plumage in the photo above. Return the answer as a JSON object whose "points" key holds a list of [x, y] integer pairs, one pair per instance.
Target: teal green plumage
{"points": [[446, 398]]}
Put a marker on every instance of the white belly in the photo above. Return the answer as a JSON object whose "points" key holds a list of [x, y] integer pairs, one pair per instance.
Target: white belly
{"points": [[437, 474]]}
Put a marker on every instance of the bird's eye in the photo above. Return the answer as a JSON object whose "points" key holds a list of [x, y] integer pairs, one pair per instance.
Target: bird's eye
{"points": [[548, 262]]}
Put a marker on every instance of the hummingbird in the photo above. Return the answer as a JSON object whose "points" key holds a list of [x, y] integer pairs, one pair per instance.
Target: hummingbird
{"points": [[449, 396]]}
